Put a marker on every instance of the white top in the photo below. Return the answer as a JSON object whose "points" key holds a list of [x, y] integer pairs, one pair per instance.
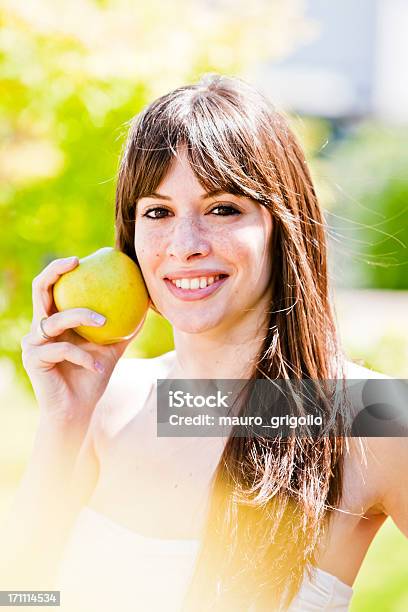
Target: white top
{"points": [[108, 567]]}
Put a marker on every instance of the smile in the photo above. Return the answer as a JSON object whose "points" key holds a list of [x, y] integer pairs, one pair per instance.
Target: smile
{"points": [[189, 291]]}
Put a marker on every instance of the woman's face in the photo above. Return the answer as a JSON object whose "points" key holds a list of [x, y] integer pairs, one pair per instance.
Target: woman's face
{"points": [[182, 232]]}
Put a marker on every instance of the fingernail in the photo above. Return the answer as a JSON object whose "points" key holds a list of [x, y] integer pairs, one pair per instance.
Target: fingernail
{"points": [[98, 318], [99, 367], [70, 260]]}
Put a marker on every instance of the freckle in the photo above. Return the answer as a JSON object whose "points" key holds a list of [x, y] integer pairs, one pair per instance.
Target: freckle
{"points": [[175, 486]]}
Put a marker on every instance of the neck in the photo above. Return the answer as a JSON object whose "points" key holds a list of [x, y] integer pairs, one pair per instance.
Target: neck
{"points": [[228, 353]]}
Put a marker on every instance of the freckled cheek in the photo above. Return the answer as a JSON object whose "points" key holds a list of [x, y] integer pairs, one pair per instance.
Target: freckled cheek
{"points": [[236, 240], [253, 259], [149, 250], [250, 244]]}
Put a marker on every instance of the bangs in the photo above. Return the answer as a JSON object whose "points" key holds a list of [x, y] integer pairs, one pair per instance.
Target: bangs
{"points": [[219, 143]]}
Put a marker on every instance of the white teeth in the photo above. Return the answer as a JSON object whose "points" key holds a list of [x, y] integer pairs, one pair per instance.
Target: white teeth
{"points": [[195, 283]]}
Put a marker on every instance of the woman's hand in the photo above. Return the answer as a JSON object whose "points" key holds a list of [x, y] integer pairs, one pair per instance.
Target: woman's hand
{"points": [[68, 373]]}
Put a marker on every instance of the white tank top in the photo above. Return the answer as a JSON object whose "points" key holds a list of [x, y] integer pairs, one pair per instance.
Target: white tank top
{"points": [[108, 567]]}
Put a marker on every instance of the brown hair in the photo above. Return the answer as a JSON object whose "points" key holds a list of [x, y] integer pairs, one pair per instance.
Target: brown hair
{"points": [[271, 496]]}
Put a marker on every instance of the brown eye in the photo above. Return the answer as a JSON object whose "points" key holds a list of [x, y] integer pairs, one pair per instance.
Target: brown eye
{"points": [[230, 210], [154, 210]]}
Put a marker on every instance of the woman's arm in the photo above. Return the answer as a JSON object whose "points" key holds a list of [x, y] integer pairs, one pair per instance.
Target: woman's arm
{"points": [[60, 478], [388, 459], [61, 474], [70, 378], [392, 454]]}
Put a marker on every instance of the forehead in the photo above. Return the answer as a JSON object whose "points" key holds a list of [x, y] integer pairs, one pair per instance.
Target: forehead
{"points": [[180, 170], [180, 178]]}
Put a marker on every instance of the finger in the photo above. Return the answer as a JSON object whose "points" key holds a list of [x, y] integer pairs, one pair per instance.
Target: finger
{"points": [[46, 356], [57, 323], [42, 286]]}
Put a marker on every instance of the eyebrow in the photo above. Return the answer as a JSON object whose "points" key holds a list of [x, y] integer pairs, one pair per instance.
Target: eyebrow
{"points": [[160, 196]]}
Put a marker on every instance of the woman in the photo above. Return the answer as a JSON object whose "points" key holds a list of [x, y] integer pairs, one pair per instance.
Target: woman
{"points": [[212, 186]]}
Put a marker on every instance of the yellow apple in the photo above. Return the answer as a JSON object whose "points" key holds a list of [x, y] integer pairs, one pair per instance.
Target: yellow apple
{"points": [[109, 282]]}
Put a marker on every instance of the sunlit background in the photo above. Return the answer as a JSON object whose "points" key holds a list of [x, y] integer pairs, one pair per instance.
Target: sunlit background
{"points": [[73, 73]]}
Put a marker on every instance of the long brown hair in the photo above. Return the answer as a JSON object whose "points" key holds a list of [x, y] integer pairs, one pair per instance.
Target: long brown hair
{"points": [[271, 497]]}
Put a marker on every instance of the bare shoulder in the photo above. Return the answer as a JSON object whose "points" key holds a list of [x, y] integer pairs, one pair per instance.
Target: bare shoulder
{"points": [[128, 388], [355, 371]]}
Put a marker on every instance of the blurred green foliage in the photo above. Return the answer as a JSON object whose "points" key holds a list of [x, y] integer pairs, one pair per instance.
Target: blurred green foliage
{"points": [[155, 338], [381, 585], [72, 75], [367, 174]]}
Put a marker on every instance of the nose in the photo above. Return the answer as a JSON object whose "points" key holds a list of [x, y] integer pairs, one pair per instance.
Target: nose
{"points": [[187, 240]]}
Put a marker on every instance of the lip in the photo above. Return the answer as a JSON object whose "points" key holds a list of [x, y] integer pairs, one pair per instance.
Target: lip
{"points": [[192, 295], [193, 273]]}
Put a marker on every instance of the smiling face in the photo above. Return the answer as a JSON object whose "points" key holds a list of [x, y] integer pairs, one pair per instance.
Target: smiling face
{"points": [[190, 233]]}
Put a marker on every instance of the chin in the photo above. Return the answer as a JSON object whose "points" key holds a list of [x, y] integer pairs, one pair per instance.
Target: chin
{"points": [[194, 324]]}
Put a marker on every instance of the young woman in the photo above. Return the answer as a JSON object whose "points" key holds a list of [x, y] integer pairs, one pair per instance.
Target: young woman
{"points": [[212, 186]]}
